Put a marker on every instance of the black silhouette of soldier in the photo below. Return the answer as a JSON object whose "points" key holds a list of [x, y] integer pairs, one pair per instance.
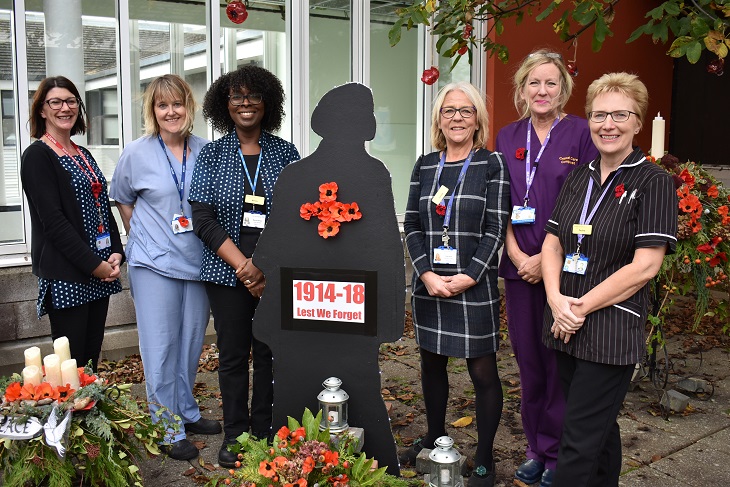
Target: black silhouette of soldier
{"points": [[308, 352]]}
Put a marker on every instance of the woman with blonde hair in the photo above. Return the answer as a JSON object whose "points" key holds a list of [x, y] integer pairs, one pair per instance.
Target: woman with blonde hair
{"points": [[455, 223], [151, 185]]}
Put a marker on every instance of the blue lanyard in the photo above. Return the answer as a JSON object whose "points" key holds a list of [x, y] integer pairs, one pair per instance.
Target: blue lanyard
{"points": [[179, 185], [447, 216], [585, 217], [255, 180], [530, 175]]}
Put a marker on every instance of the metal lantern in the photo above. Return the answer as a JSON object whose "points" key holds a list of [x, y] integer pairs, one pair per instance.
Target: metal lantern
{"points": [[445, 464], [333, 403]]}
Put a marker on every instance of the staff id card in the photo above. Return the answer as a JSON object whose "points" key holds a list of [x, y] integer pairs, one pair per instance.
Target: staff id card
{"points": [[103, 241], [444, 255], [252, 199], [576, 264], [523, 215], [254, 219], [439, 196], [181, 224]]}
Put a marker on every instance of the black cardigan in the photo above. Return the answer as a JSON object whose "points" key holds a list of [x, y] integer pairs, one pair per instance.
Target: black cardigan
{"points": [[59, 246]]}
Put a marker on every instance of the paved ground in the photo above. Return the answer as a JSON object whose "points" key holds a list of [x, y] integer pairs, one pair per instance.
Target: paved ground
{"points": [[691, 448]]}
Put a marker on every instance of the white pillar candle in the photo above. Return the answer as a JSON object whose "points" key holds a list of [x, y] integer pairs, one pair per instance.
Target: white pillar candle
{"points": [[53, 369], [657, 136], [33, 357], [62, 348], [32, 375], [70, 374]]}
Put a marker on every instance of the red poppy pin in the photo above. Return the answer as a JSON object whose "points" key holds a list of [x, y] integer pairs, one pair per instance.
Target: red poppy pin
{"points": [[441, 209], [619, 190], [184, 222], [521, 153]]}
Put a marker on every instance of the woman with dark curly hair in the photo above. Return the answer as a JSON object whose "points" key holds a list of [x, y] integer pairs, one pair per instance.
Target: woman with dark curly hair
{"points": [[231, 194]]}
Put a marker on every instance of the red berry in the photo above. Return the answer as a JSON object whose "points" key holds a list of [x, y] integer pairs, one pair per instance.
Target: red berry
{"points": [[572, 68], [467, 31], [430, 75], [463, 50], [716, 66], [236, 11]]}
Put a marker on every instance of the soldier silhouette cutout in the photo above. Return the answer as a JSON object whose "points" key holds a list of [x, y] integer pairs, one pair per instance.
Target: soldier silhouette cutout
{"points": [[307, 352]]}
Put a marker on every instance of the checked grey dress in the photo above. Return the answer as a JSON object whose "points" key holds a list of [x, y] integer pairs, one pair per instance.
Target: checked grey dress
{"points": [[465, 325]]}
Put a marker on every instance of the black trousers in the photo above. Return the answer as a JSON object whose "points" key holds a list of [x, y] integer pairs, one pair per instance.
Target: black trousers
{"points": [[233, 309], [590, 449], [83, 326]]}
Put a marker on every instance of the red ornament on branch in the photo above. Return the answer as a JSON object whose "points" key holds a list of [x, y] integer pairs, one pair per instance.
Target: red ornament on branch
{"points": [[430, 75], [716, 66], [236, 11]]}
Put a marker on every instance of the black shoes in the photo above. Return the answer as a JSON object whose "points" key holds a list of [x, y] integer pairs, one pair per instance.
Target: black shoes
{"points": [[227, 458], [480, 477], [181, 450], [530, 472], [547, 478], [203, 427], [408, 457]]}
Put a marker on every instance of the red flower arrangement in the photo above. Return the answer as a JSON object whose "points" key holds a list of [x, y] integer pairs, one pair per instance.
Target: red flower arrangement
{"points": [[329, 211], [521, 153], [619, 190]]}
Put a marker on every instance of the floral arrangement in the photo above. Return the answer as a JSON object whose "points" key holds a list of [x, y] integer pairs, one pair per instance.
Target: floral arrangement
{"points": [[107, 428], [300, 456], [700, 262], [329, 211]]}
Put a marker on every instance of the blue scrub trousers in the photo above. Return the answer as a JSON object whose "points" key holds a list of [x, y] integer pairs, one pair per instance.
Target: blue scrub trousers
{"points": [[172, 315]]}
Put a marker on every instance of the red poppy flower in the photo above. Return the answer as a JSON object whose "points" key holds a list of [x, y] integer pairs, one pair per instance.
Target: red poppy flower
{"points": [[335, 210], [306, 211], [331, 457], [328, 192], [299, 483], [651, 158], [713, 192], [85, 380], [619, 190], [328, 229], [715, 241], [184, 222], [696, 226], [297, 435], [690, 204], [353, 212], [521, 153], [715, 261], [45, 391], [283, 432], [688, 179], [441, 210], [96, 189], [267, 469], [64, 393], [13, 392], [723, 210], [705, 248], [308, 465], [27, 392]]}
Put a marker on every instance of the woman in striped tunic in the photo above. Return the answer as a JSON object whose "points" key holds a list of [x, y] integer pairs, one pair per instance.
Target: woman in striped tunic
{"points": [[456, 220], [613, 222]]}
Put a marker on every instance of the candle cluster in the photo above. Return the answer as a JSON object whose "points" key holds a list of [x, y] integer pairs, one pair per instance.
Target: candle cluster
{"points": [[57, 369]]}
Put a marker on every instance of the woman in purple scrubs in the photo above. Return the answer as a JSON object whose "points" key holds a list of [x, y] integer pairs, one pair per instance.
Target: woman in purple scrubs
{"points": [[540, 149]]}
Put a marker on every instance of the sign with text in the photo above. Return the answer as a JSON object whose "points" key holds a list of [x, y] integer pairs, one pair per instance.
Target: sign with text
{"points": [[322, 299], [26, 430]]}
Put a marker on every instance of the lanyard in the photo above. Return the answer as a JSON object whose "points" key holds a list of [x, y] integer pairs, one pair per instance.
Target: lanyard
{"points": [[180, 186], [530, 175], [255, 180], [447, 216], [585, 220], [95, 183]]}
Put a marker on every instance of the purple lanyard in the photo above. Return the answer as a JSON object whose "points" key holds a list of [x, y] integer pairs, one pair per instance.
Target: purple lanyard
{"points": [[447, 216], [530, 175], [179, 185], [585, 220]]}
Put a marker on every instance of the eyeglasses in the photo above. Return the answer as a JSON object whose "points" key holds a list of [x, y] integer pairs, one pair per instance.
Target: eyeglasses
{"points": [[57, 103], [466, 112], [552, 55], [237, 99], [617, 116]]}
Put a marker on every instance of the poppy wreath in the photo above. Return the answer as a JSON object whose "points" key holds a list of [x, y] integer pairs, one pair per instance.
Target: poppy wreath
{"points": [[329, 211]]}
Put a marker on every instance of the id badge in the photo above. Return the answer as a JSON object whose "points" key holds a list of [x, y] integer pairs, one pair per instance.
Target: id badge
{"points": [[254, 219], [103, 241], [181, 224], [254, 200], [444, 255], [576, 264], [522, 215], [439, 196]]}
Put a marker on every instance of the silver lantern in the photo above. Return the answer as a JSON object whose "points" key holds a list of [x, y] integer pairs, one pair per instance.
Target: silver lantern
{"points": [[333, 403], [445, 464]]}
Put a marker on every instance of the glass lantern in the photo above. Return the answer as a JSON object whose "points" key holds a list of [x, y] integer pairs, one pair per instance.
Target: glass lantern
{"points": [[333, 403], [445, 464]]}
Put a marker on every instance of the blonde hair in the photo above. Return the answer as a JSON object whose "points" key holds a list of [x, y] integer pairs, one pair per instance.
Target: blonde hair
{"points": [[533, 60], [168, 87], [481, 135], [626, 84]]}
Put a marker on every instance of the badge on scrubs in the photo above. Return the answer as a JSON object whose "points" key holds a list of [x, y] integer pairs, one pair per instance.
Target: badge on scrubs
{"points": [[444, 255], [579, 229], [181, 223], [254, 219], [439, 196], [522, 215], [103, 241], [254, 200], [576, 264]]}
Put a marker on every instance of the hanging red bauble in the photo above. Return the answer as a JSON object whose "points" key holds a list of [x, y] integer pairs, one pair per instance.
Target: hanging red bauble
{"points": [[716, 66], [430, 75], [572, 68], [236, 11]]}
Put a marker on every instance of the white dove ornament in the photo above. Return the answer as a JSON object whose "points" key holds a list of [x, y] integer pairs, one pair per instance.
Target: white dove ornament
{"points": [[57, 433]]}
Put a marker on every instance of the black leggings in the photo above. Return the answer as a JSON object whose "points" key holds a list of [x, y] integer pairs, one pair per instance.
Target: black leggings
{"points": [[488, 392], [83, 326]]}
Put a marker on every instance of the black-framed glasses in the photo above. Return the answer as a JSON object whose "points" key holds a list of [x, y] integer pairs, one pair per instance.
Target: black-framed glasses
{"points": [[57, 103], [618, 116], [237, 99], [466, 112]]}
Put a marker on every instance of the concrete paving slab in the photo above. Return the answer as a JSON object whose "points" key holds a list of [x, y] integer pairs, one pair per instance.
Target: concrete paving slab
{"points": [[697, 466], [648, 477]]}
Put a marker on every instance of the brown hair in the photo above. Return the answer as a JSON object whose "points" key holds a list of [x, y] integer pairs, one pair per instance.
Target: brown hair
{"points": [[37, 122]]}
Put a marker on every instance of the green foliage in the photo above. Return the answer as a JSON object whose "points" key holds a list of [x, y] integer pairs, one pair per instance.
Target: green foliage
{"points": [[695, 25]]}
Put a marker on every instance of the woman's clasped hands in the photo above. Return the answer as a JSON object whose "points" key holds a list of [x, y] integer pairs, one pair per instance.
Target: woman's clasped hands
{"points": [[567, 317], [446, 286], [251, 277], [109, 270]]}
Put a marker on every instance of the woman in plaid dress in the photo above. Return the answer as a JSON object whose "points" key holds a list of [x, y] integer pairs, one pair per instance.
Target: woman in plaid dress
{"points": [[455, 223]]}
